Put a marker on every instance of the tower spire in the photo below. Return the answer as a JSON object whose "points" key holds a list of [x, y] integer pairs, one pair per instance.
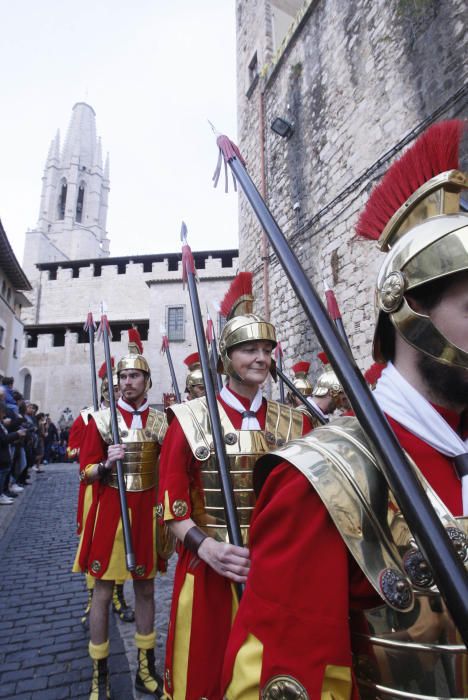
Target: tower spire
{"points": [[73, 208]]}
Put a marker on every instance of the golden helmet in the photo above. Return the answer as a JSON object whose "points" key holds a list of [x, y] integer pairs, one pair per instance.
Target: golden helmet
{"points": [[195, 375], [415, 215], [135, 358], [328, 383], [242, 324], [301, 381]]}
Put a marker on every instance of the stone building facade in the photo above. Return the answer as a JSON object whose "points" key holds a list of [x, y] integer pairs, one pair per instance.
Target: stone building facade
{"points": [[13, 285], [142, 290], [67, 256], [356, 81]]}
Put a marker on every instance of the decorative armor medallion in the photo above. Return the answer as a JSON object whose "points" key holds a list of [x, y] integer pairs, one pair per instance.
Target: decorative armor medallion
{"points": [[280, 442], [230, 438], [202, 452], [418, 569], [160, 510], [140, 570], [270, 438], [392, 291], [395, 589], [179, 508], [96, 566], [124, 433], [459, 541], [284, 688], [148, 434]]}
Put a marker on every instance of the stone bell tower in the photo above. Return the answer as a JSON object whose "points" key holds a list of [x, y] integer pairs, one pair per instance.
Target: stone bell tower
{"points": [[74, 198]]}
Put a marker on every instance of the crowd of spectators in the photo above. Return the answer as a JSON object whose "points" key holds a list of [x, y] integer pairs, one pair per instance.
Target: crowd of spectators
{"points": [[28, 441]]}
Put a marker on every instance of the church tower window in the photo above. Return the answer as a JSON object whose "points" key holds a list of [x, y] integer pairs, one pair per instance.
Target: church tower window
{"points": [[62, 200], [80, 203]]}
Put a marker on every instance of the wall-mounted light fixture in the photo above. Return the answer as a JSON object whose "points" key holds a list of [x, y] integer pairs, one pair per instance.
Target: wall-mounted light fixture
{"points": [[282, 127]]}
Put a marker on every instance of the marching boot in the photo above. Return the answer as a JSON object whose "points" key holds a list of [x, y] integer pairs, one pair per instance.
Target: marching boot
{"points": [[100, 687], [147, 680], [119, 604]]}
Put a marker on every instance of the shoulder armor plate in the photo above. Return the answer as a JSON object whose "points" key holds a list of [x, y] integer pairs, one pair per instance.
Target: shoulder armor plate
{"points": [[338, 462]]}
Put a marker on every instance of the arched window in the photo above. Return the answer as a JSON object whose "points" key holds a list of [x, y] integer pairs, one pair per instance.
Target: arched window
{"points": [[62, 200], [80, 203], [27, 386]]}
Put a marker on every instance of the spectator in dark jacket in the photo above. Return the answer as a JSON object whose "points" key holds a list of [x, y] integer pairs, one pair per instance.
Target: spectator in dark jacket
{"points": [[6, 440]]}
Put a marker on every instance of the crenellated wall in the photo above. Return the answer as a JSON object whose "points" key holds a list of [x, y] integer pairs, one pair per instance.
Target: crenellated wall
{"points": [[59, 364]]}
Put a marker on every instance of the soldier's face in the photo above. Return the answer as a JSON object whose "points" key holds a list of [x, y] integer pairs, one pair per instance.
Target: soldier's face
{"points": [[132, 384], [252, 361], [450, 315], [197, 391]]}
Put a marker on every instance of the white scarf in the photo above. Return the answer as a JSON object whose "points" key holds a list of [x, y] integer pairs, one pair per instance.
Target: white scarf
{"points": [[398, 399], [248, 422], [136, 417]]}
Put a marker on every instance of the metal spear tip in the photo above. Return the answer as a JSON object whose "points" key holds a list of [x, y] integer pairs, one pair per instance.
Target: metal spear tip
{"points": [[183, 232], [214, 129], [103, 308]]}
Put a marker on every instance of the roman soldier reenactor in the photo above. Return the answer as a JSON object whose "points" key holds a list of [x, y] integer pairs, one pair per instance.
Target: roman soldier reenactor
{"points": [[354, 610], [194, 384], [77, 432], [101, 550], [301, 382], [328, 395], [190, 499]]}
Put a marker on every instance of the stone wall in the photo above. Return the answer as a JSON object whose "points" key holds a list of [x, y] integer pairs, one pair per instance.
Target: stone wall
{"points": [[354, 78], [61, 375]]}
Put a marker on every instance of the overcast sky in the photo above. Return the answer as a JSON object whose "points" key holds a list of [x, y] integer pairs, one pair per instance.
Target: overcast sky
{"points": [[154, 72]]}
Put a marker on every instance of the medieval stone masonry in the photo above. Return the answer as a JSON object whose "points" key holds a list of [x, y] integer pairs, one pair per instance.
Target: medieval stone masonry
{"points": [[71, 271], [356, 80]]}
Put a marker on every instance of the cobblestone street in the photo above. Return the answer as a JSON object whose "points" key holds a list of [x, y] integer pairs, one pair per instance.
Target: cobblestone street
{"points": [[43, 645]]}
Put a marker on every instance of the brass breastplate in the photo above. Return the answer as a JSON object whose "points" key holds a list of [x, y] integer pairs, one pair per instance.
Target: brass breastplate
{"points": [[142, 448], [408, 647], [243, 448]]}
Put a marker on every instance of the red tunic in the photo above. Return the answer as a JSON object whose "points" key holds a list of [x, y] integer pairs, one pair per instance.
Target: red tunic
{"points": [[101, 551], [203, 603], [75, 440], [300, 618]]}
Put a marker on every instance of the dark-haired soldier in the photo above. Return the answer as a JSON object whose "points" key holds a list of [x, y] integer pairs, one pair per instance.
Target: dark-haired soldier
{"points": [[101, 550], [355, 612]]}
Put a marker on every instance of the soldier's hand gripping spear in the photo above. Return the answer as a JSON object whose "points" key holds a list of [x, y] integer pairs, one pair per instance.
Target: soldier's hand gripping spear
{"points": [[90, 326], [165, 349], [189, 276], [104, 330], [448, 569]]}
